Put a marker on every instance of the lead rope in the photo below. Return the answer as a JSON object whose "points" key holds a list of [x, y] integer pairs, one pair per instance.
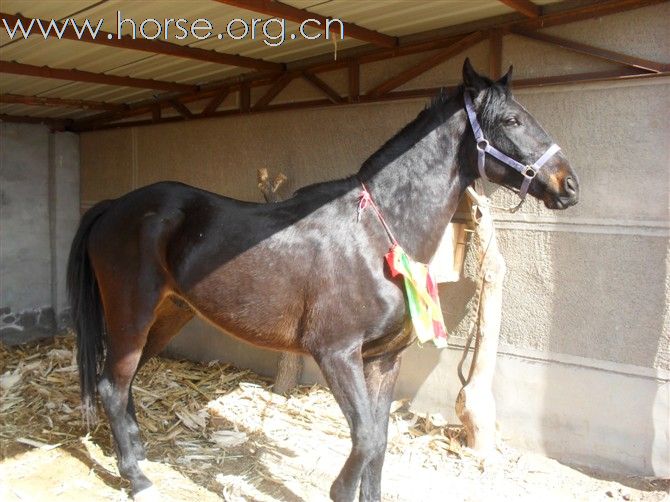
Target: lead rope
{"points": [[507, 209], [528, 173], [475, 316]]}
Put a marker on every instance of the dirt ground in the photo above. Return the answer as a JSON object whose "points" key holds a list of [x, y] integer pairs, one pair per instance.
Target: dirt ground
{"points": [[214, 432]]}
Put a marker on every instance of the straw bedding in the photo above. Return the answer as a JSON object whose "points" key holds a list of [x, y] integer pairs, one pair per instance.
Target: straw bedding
{"points": [[216, 432]]}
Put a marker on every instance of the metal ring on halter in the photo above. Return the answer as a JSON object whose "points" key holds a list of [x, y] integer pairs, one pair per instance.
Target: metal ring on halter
{"points": [[482, 145], [530, 172]]}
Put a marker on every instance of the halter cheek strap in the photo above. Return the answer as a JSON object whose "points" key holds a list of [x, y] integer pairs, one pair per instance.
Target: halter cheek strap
{"points": [[484, 147]]}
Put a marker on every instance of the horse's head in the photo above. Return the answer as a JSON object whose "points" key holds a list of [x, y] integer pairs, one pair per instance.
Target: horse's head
{"points": [[507, 127]]}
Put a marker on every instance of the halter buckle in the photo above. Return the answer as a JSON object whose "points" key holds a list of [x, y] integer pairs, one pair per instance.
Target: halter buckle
{"points": [[530, 172], [482, 145]]}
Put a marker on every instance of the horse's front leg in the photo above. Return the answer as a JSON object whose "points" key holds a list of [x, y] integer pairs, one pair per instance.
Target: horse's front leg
{"points": [[381, 373], [343, 370]]}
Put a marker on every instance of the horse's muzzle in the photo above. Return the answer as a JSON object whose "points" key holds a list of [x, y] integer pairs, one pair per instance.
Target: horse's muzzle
{"points": [[568, 197]]}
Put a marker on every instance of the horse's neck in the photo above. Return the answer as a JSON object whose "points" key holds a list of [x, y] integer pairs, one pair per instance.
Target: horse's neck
{"points": [[419, 189]]}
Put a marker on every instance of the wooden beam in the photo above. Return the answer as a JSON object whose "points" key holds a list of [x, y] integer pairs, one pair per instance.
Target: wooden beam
{"points": [[589, 50], [245, 98], [579, 78], [216, 101], [156, 113], [58, 124], [613, 75], [423, 66], [320, 85], [284, 11], [60, 102], [495, 54], [152, 46], [576, 11], [526, 7], [94, 78], [274, 90], [354, 80], [181, 108], [231, 84]]}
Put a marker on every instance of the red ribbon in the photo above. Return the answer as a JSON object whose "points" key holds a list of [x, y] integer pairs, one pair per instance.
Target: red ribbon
{"points": [[364, 200]]}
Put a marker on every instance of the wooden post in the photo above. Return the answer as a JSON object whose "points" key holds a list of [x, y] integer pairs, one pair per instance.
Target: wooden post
{"points": [[475, 405], [290, 365]]}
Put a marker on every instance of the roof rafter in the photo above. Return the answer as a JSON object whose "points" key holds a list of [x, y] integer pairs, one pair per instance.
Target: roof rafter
{"points": [[152, 46], [553, 15], [274, 90], [320, 85], [94, 78], [183, 110], [216, 101], [399, 95], [580, 12], [495, 54], [423, 66], [526, 7], [589, 50], [284, 11], [60, 102], [59, 124]]}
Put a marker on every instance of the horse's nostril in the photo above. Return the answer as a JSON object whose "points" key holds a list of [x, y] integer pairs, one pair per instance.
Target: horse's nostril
{"points": [[570, 185]]}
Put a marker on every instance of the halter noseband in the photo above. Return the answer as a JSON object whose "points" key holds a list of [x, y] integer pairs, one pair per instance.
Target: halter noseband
{"points": [[484, 147]]}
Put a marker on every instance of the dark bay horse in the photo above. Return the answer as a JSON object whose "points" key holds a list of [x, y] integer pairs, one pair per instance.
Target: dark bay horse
{"points": [[143, 265]]}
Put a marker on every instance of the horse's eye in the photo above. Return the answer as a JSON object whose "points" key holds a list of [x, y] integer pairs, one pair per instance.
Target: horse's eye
{"points": [[512, 121]]}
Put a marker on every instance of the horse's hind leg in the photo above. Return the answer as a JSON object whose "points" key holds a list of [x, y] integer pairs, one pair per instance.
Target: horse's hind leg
{"points": [[381, 374], [133, 281], [130, 303], [171, 316]]}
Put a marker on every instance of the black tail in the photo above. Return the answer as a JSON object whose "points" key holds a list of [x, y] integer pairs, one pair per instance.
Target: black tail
{"points": [[86, 309]]}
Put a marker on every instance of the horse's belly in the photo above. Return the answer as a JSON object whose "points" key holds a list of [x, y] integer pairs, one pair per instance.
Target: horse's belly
{"points": [[267, 320]]}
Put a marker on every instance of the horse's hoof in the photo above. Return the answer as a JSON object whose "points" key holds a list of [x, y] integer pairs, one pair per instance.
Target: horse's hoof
{"points": [[150, 494]]}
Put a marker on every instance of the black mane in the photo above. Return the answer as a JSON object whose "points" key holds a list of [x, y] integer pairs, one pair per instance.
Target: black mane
{"points": [[428, 119]]}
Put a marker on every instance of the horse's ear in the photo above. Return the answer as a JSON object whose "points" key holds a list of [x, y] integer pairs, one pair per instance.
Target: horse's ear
{"points": [[471, 79], [506, 78]]}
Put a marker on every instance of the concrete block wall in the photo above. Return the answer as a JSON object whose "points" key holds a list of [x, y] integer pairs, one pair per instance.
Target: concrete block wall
{"points": [[39, 212]]}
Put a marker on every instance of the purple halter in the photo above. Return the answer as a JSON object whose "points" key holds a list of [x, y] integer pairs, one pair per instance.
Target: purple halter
{"points": [[484, 147]]}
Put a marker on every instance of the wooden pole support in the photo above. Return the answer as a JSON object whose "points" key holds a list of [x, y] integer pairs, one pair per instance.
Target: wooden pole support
{"points": [[289, 369], [475, 405]]}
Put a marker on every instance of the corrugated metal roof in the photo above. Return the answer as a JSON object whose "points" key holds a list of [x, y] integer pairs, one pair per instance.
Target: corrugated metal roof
{"points": [[390, 17]]}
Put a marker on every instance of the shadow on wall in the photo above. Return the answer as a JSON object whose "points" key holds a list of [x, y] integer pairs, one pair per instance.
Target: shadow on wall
{"points": [[608, 304], [429, 375]]}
